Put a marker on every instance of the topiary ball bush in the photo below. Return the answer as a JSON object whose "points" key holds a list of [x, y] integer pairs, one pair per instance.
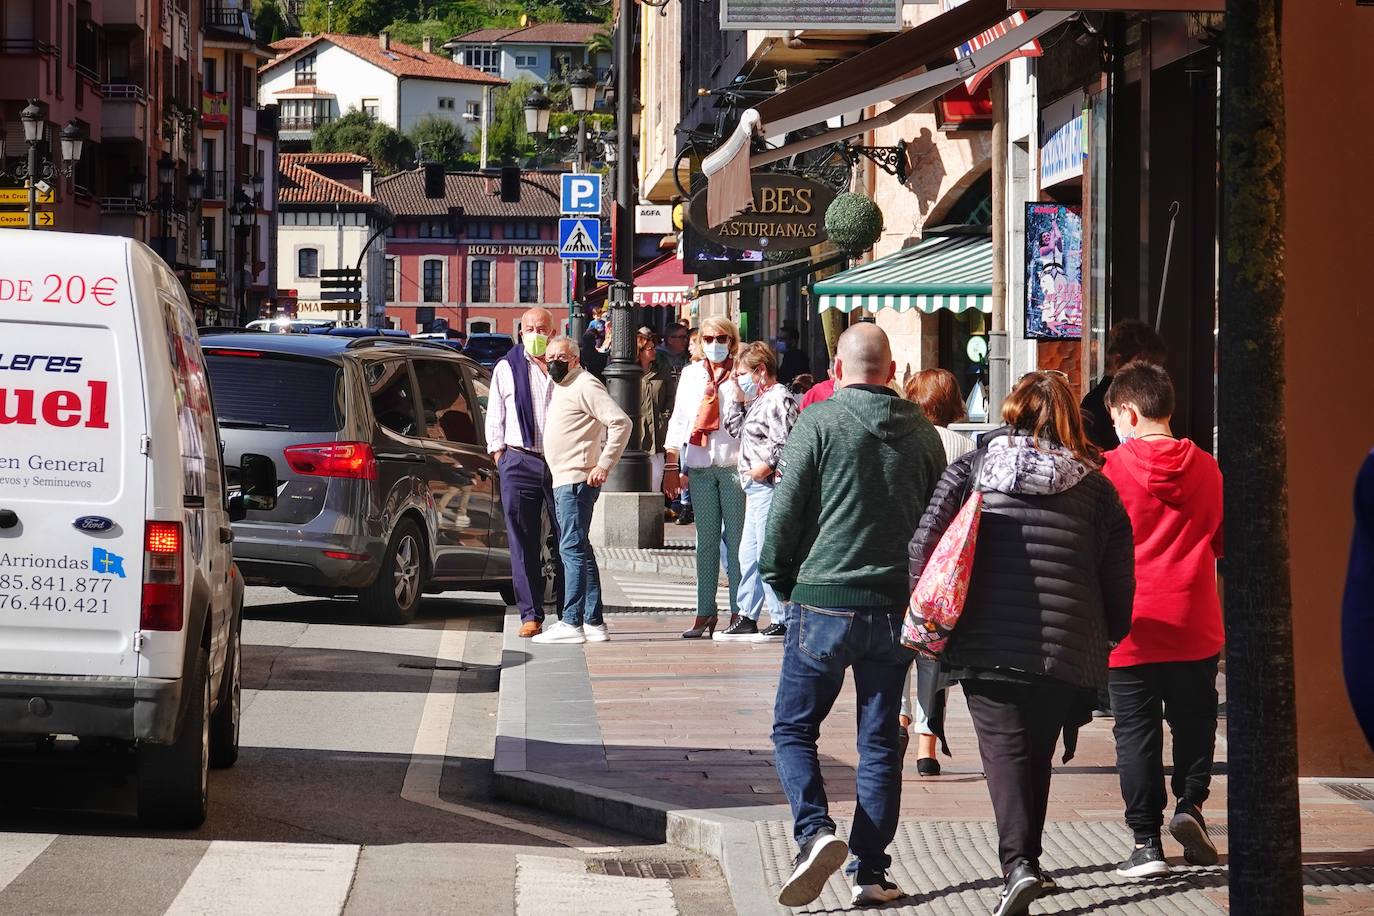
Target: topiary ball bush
{"points": [[853, 223]]}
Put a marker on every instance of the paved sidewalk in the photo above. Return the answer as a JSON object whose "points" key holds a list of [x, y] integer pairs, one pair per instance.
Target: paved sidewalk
{"points": [[669, 738]]}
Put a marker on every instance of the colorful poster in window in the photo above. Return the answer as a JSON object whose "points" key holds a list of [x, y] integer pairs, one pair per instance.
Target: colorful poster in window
{"points": [[1054, 271]]}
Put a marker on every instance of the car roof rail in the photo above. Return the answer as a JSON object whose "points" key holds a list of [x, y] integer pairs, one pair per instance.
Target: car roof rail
{"points": [[357, 343]]}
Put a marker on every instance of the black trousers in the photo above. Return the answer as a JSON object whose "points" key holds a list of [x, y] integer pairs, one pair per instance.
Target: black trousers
{"points": [[1143, 698], [1018, 727]]}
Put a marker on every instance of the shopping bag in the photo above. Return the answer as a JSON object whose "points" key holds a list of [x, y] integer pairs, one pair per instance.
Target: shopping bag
{"points": [[940, 593]]}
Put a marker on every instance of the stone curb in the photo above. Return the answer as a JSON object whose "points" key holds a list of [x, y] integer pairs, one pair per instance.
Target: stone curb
{"points": [[731, 841]]}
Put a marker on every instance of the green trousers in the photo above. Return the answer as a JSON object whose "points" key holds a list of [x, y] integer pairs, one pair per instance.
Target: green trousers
{"points": [[717, 499]]}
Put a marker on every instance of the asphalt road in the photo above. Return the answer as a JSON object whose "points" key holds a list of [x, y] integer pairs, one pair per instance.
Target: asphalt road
{"points": [[362, 787]]}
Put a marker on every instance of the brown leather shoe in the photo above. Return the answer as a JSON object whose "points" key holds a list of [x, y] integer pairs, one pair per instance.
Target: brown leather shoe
{"points": [[530, 628]]}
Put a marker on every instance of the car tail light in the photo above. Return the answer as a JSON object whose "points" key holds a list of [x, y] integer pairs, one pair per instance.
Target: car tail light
{"points": [[162, 580], [344, 555], [353, 460]]}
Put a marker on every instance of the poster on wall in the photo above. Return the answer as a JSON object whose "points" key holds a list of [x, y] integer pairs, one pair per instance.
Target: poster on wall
{"points": [[1054, 271]]}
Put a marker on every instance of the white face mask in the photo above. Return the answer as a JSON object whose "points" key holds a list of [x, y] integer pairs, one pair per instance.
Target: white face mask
{"points": [[1126, 433], [717, 352]]}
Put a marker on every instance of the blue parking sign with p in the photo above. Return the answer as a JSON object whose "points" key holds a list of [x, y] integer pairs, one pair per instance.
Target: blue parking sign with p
{"points": [[581, 195]]}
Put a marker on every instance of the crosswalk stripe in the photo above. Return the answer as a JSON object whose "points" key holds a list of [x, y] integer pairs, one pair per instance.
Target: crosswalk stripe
{"points": [[545, 885], [17, 852], [267, 879]]}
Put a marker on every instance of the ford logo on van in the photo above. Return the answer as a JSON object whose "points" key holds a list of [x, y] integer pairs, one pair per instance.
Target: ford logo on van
{"points": [[93, 523]]}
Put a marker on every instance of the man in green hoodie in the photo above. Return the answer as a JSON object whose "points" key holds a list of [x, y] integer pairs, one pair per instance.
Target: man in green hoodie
{"points": [[855, 477]]}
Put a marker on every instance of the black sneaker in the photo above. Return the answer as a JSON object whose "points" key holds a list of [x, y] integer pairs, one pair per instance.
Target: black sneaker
{"points": [[1145, 862], [820, 857], [1190, 829], [741, 630], [1022, 887], [1047, 883], [685, 517], [774, 632], [873, 888]]}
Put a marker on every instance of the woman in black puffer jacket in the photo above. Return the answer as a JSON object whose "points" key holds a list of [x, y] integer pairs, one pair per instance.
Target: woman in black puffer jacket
{"points": [[1052, 586]]}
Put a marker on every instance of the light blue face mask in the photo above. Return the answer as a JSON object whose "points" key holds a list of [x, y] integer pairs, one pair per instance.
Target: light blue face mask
{"points": [[717, 352], [748, 386]]}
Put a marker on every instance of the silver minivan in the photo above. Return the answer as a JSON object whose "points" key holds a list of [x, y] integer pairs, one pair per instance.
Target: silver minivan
{"points": [[387, 490]]}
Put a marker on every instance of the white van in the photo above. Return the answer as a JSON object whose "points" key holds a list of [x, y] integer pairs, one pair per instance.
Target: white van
{"points": [[119, 600]]}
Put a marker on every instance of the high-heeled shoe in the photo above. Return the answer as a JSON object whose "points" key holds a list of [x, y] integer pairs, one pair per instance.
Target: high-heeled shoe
{"points": [[702, 626]]}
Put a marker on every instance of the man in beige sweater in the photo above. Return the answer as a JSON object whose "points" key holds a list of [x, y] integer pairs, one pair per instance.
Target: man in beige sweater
{"points": [[584, 437]]}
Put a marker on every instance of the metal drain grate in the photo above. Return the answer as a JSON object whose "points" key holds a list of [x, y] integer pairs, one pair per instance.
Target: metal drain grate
{"points": [[1355, 791], [632, 868]]}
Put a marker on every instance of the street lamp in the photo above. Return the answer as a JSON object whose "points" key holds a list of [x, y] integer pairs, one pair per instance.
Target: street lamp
{"points": [[256, 182], [38, 168], [195, 188], [245, 214], [582, 85], [138, 183], [538, 108], [166, 171]]}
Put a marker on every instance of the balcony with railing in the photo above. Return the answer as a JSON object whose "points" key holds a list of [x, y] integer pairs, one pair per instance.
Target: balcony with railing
{"points": [[215, 185], [302, 124], [230, 19], [124, 112], [305, 77]]}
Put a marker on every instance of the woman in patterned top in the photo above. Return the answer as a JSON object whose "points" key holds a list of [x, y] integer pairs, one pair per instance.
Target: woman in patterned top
{"points": [[762, 414]]}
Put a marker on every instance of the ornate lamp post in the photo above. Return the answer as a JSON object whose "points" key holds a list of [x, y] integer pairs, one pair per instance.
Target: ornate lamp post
{"points": [[38, 168], [245, 216]]}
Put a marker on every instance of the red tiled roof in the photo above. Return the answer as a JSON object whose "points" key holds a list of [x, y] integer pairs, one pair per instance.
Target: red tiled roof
{"points": [[308, 159], [301, 185], [544, 33], [311, 92], [399, 59], [404, 195]]}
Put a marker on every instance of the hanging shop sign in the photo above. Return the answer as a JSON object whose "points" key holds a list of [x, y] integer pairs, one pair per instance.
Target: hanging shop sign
{"points": [[1054, 271], [787, 213], [1063, 141], [826, 15]]}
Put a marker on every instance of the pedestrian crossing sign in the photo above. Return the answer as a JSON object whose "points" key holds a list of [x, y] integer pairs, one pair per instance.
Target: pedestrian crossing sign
{"points": [[579, 239], [605, 270]]}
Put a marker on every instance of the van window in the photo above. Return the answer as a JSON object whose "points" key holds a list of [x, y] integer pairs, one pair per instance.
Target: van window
{"points": [[262, 391], [393, 403], [192, 393], [448, 415]]}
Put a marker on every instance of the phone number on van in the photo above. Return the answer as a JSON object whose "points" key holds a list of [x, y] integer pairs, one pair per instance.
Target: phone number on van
{"points": [[17, 593]]}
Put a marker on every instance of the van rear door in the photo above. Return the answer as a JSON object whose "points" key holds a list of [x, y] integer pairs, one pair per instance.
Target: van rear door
{"points": [[72, 477]]}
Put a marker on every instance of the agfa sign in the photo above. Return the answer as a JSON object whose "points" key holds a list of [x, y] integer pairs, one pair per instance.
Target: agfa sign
{"points": [[787, 213]]}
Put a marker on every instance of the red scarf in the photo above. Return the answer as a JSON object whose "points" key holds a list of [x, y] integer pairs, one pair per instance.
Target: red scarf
{"points": [[708, 414]]}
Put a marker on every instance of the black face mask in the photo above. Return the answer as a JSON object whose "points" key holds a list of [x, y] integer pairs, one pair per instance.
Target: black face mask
{"points": [[558, 370]]}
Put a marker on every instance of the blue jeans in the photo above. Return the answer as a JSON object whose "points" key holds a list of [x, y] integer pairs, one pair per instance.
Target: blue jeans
{"points": [[753, 591], [581, 578], [821, 644]]}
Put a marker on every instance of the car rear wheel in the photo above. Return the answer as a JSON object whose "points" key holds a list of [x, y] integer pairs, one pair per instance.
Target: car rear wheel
{"points": [[224, 724], [395, 595], [174, 779]]}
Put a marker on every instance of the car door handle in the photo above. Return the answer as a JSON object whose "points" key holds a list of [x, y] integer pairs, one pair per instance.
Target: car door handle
{"points": [[226, 534], [484, 473], [412, 457]]}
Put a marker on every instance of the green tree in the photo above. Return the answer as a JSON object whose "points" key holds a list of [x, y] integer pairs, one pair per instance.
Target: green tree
{"points": [[356, 132], [268, 21], [1262, 760], [506, 137], [354, 17], [438, 139], [603, 42]]}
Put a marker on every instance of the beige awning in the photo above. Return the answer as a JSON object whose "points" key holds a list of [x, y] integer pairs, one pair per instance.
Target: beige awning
{"points": [[897, 70]]}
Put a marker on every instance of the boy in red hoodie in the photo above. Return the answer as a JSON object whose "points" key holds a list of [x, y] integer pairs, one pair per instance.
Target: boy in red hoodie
{"points": [[1166, 669]]}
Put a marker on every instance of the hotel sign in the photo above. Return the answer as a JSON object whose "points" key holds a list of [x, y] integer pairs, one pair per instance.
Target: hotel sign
{"points": [[787, 213], [826, 15], [499, 249]]}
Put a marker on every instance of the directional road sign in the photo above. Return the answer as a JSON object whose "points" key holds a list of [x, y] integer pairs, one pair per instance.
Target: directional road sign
{"points": [[21, 196], [581, 195], [579, 239], [605, 270], [20, 218]]}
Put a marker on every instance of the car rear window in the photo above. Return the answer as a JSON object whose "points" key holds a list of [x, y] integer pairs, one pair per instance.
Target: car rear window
{"points": [[489, 346], [265, 391]]}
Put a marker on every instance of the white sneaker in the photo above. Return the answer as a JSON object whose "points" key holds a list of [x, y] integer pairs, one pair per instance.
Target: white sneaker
{"points": [[561, 632], [596, 632]]}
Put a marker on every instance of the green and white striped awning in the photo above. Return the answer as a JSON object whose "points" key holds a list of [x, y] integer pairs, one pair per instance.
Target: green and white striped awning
{"points": [[940, 272]]}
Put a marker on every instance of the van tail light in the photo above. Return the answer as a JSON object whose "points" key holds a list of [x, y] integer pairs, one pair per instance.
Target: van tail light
{"points": [[162, 579], [353, 460]]}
